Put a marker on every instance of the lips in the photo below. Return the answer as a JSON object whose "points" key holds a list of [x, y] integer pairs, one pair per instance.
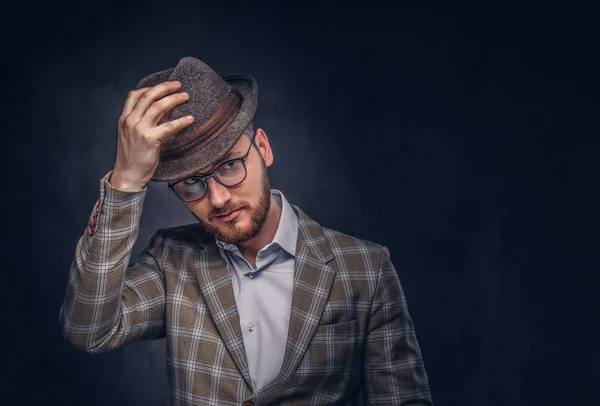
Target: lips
{"points": [[228, 216]]}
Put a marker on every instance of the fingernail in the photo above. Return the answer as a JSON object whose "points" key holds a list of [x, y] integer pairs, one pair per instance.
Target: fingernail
{"points": [[189, 118]]}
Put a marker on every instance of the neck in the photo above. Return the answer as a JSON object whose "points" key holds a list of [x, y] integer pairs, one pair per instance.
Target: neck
{"points": [[249, 249]]}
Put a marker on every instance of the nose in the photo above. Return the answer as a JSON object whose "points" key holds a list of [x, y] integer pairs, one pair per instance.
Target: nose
{"points": [[217, 193]]}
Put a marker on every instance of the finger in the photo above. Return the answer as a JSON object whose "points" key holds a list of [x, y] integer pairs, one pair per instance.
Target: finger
{"points": [[132, 98], [150, 96], [160, 117], [157, 110], [171, 127]]}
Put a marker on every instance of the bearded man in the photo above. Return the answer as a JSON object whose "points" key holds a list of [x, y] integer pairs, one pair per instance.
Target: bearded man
{"points": [[258, 303]]}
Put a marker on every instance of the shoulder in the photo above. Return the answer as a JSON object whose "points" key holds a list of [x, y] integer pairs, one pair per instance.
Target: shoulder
{"points": [[354, 253], [342, 242], [185, 235], [349, 251]]}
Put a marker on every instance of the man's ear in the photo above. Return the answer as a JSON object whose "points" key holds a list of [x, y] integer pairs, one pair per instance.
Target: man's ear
{"points": [[264, 147]]}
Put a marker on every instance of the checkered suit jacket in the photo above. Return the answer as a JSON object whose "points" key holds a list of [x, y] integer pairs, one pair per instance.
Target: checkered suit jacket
{"points": [[351, 339]]}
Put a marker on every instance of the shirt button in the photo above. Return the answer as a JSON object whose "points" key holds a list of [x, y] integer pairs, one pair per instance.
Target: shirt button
{"points": [[251, 275], [250, 327]]}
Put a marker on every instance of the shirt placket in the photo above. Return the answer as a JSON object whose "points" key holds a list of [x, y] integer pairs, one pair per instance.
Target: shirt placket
{"points": [[249, 317]]}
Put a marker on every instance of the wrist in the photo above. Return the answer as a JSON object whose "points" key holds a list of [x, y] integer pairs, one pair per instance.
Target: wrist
{"points": [[122, 183]]}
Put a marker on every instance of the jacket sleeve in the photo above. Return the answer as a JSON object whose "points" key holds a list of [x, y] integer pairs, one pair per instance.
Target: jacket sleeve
{"points": [[394, 373], [108, 303]]}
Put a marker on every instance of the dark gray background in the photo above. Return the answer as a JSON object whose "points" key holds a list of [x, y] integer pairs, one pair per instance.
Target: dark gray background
{"points": [[462, 137]]}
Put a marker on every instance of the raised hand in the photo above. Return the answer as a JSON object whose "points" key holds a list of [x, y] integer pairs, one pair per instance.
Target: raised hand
{"points": [[140, 136]]}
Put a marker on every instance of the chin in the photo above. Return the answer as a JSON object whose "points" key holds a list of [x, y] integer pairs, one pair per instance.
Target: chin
{"points": [[233, 232], [234, 227]]}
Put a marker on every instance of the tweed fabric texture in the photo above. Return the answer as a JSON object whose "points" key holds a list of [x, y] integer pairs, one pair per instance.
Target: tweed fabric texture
{"points": [[209, 97], [350, 331]]}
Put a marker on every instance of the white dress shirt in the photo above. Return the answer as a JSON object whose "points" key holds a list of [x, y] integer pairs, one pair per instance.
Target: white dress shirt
{"points": [[263, 295]]}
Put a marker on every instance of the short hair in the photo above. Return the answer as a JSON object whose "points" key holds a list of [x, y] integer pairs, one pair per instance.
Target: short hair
{"points": [[249, 131]]}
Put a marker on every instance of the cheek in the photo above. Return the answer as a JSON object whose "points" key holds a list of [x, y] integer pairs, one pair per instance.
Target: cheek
{"points": [[199, 209], [256, 186], [250, 188]]}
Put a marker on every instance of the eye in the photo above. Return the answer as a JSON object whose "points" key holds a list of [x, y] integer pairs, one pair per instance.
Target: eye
{"points": [[190, 181], [228, 165], [229, 168]]}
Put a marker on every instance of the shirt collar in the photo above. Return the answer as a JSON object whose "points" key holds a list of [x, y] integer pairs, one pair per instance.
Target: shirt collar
{"points": [[286, 235]]}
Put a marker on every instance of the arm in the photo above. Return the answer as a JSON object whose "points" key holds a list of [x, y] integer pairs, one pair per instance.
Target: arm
{"points": [[394, 373], [108, 303]]}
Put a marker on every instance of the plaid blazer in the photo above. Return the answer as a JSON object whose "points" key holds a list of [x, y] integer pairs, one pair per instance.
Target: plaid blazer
{"points": [[351, 339]]}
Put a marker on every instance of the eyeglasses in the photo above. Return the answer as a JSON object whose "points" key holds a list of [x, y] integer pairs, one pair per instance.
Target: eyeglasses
{"points": [[230, 173]]}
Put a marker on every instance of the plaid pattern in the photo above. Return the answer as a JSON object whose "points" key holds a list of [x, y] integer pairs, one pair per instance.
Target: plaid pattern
{"points": [[350, 331]]}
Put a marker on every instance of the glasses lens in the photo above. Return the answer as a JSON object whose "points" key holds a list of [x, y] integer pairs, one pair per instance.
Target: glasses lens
{"points": [[191, 188], [231, 173]]}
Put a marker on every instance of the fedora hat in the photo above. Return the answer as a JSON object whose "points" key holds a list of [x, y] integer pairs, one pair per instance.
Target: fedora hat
{"points": [[222, 108]]}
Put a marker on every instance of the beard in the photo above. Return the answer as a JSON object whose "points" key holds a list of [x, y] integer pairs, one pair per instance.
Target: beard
{"points": [[233, 234]]}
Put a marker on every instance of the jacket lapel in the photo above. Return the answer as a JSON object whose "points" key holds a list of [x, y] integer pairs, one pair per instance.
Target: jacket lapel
{"points": [[312, 283], [215, 283]]}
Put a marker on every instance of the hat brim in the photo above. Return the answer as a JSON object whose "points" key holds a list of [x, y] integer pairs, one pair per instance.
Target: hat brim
{"points": [[213, 152]]}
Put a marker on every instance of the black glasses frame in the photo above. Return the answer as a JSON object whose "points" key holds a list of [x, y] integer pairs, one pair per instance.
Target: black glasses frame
{"points": [[213, 174]]}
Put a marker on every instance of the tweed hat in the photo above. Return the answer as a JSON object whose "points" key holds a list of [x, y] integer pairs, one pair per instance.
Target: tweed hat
{"points": [[222, 108]]}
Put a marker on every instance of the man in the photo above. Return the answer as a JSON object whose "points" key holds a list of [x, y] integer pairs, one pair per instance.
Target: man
{"points": [[258, 303]]}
